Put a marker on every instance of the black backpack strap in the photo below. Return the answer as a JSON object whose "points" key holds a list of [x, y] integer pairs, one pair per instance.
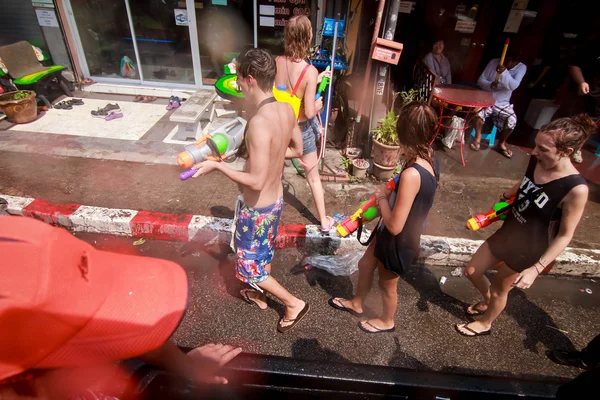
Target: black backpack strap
{"points": [[360, 229]]}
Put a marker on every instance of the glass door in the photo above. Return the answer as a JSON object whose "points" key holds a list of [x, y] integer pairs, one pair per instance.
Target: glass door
{"points": [[162, 40], [225, 29], [103, 29], [136, 40]]}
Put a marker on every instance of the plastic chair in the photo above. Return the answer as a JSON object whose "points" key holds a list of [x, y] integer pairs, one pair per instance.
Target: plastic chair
{"points": [[490, 137]]}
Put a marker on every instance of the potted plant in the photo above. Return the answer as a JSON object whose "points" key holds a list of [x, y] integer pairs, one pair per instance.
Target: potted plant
{"points": [[359, 167], [386, 147], [20, 107]]}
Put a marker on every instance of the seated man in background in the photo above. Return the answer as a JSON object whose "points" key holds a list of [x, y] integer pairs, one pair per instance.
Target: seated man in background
{"points": [[69, 313], [509, 78]]}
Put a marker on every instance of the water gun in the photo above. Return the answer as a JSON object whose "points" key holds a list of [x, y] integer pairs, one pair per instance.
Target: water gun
{"points": [[366, 212], [497, 213], [324, 82], [218, 144]]}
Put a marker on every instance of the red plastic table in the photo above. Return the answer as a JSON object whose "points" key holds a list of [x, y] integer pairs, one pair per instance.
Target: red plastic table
{"points": [[460, 100]]}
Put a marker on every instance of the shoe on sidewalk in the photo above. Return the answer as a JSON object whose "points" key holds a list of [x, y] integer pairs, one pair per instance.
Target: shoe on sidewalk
{"points": [[577, 157], [113, 115], [569, 358], [103, 112]]}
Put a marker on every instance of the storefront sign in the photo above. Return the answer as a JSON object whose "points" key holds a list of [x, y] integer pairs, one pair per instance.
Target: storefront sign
{"points": [[46, 18], [42, 3], [181, 17], [283, 10], [514, 21], [267, 21], [406, 7], [266, 10], [465, 26]]}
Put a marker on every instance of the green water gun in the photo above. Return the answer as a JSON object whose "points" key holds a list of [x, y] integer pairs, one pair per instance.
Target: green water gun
{"points": [[322, 85]]}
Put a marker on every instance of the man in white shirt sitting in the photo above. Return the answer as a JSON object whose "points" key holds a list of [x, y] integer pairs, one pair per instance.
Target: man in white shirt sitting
{"points": [[502, 113]]}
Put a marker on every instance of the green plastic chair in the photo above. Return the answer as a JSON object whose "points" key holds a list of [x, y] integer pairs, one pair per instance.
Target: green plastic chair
{"points": [[28, 73]]}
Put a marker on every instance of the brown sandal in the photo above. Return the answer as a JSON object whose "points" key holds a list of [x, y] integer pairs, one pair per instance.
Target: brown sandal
{"points": [[294, 321], [138, 98]]}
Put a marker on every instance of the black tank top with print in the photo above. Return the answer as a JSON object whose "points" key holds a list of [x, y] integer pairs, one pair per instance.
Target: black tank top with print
{"points": [[533, 223]]}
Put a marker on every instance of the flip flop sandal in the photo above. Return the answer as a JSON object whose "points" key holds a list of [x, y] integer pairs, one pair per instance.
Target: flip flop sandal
{"points": [[505, 152], [301, 314], [76, 102], [148, 99], [475, 146], [247, 299], [331, 225], [377, 330], [476, 311], [63, 105], [138, 98], [475, 333], [341, 307]]}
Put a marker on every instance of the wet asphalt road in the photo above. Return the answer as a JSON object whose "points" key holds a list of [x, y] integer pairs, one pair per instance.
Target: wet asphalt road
{"points": [[555, 313]]}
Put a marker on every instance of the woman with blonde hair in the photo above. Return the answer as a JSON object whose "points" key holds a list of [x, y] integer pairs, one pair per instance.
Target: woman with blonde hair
{"points": [[301, 80]]}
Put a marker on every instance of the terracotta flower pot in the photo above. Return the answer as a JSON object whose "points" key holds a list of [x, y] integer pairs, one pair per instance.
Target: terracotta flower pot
{"points": [[383, 173], [19, 111], [384, 155]]}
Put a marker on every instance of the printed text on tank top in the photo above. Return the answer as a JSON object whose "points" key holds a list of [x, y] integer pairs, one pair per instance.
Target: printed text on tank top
{"points": [[527, 186]]}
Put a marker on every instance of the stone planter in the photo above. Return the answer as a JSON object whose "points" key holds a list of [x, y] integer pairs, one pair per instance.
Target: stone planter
{"points": [[359, 172], [384, 155], [19, 111]]}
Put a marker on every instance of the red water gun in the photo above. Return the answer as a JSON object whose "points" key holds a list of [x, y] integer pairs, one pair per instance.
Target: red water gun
{"points": [[497, 213], [366, 212]]}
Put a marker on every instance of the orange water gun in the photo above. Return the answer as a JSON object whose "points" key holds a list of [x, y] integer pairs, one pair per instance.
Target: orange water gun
{"points": [[364, 213], [497, 213]]}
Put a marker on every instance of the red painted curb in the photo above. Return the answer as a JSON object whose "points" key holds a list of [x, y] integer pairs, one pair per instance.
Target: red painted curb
{"points": [[161, 226], [49, 212], [290, 236]]}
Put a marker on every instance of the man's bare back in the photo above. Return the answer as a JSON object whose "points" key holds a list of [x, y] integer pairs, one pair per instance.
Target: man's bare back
{"points": [[270, 133]]}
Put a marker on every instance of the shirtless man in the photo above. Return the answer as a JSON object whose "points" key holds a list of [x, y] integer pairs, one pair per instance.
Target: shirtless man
{"points": [[272, 136]]}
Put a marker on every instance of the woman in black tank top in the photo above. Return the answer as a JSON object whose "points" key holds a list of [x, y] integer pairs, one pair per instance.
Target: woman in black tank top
{"points": [[403, 213], [549, 203]]}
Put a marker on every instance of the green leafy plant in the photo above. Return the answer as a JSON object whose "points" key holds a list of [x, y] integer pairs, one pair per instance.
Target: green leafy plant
{"points": [[386, 133], [20, 95], [345, 163], [404, 97]]}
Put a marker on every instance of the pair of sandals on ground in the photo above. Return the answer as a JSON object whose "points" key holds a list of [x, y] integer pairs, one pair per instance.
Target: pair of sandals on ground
{"points": [[144, 99], [68, 104], [369, 327], [505, 151]]}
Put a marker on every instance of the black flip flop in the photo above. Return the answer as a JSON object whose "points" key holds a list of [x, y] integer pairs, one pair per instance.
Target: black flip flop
{"points": [[505, 152], [475, 333], [247, 299], [76, 102], [377, 330], [474, 307], [475, 146], [341, 307], [301, 314]]}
